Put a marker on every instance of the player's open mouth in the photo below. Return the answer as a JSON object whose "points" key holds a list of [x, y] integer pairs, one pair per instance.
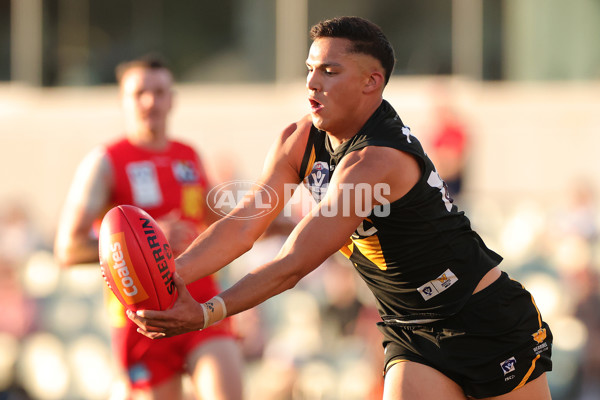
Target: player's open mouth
{"points": [[315, 106]]}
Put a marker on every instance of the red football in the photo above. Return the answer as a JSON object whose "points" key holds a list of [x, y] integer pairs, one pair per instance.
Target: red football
{"points": [[136, 259]]}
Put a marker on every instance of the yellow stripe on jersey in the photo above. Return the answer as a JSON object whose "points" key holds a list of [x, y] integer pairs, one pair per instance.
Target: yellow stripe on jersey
{"points": [[311, 162], [192, 201], [528, 374], [347, 248], [369, 247], [116, 311]]}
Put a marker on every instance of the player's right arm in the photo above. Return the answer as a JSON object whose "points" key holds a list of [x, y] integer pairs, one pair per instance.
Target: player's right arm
{"points": [[235, 234], [86, 201]]}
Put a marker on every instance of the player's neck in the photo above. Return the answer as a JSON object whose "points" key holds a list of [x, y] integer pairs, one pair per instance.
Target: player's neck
{"points": [[354, 125], [149, 140]]}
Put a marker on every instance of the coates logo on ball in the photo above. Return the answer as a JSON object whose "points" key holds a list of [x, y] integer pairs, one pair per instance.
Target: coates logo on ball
{"points": [[136, 259]]}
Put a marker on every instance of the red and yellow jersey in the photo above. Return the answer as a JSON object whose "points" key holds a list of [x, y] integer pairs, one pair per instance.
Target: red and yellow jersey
{"points": [[159, 182]]}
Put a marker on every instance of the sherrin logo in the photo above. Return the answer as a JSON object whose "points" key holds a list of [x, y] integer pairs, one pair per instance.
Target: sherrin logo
{"points": [[121, 270]]}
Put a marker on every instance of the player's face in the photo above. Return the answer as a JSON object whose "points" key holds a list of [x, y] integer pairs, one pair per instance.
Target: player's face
{"points": [[336, 80], [147, 99]]}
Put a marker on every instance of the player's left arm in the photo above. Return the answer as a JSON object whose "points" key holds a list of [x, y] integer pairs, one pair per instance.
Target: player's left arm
{"points": [[318, 235], [87, 200]]}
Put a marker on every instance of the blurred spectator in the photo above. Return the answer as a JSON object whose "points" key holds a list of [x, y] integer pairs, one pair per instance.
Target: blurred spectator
{"points": [[579, 215], [449, 142], [18, 236], [587, 311], [18, 240]]}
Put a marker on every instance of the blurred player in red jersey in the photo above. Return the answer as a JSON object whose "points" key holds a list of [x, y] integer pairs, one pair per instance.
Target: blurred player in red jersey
{"points": [[166, 178]]}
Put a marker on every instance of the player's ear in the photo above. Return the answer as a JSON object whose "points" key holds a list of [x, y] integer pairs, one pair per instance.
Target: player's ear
{"points": [[375, 81]]}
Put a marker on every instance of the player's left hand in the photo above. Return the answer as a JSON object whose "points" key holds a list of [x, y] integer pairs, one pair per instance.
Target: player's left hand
{"points": [[179, 232], [184, 316]]}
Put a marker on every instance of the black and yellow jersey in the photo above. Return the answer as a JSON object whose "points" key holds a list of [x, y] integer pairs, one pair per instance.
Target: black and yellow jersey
{"points": [[419, 256]]}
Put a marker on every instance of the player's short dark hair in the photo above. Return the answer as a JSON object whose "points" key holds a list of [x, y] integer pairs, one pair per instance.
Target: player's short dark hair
{"points": [[367, 38], [149, 61]]}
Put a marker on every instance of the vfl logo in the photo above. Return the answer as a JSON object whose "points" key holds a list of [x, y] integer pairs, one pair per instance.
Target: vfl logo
{"points": [[438, 285], [122, 272], [318, 179], [540, 335], [508, 365], [427, 291]]}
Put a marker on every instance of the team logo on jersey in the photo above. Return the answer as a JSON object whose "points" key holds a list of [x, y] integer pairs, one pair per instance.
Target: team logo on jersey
{"points": [[438, 285], [184, 171], [318, 180], [508, 365], [540, 335]]}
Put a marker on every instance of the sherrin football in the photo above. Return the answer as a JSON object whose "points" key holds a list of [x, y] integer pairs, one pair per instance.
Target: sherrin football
{"points": [[136, 259]]}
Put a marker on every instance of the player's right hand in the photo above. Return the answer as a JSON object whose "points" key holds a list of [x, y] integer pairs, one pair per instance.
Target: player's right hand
{"points": [[186, 315]]}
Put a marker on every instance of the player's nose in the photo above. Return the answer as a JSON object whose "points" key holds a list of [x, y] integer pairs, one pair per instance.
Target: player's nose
{"points": [[312, 82], [148, 100]]}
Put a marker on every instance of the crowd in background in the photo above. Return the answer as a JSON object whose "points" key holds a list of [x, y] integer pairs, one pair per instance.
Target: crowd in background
{"points": [[319, 340]]}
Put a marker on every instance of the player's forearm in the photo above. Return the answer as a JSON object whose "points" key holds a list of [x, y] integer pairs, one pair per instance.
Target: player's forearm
{"points": [[260, 285], [81, 252], [219, 245]]}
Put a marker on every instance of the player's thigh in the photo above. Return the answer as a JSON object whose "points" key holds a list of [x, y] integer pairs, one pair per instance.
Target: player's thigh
{"points": [[216, 369], [537, 389], [408, 380]]}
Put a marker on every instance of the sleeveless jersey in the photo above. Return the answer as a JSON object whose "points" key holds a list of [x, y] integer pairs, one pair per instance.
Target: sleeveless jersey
{"points": [[419, 255], [158, 181]]}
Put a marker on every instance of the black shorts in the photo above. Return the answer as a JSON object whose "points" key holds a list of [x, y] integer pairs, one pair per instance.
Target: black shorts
{"points": [[495, 344]]}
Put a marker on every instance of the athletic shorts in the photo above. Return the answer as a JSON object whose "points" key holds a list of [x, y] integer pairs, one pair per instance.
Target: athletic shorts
{"points": [[495, 344], [151, 362]]}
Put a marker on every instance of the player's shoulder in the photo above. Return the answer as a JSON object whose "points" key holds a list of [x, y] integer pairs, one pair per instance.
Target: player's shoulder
{"points": [[179, 144], [378, 155], [117, 144], [294, 137], [376, 161], [298, 130]]}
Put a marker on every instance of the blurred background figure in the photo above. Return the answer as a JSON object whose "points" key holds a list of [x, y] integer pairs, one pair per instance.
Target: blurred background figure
{"points": [[449, 149], [19, 238], [166, 178]]}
